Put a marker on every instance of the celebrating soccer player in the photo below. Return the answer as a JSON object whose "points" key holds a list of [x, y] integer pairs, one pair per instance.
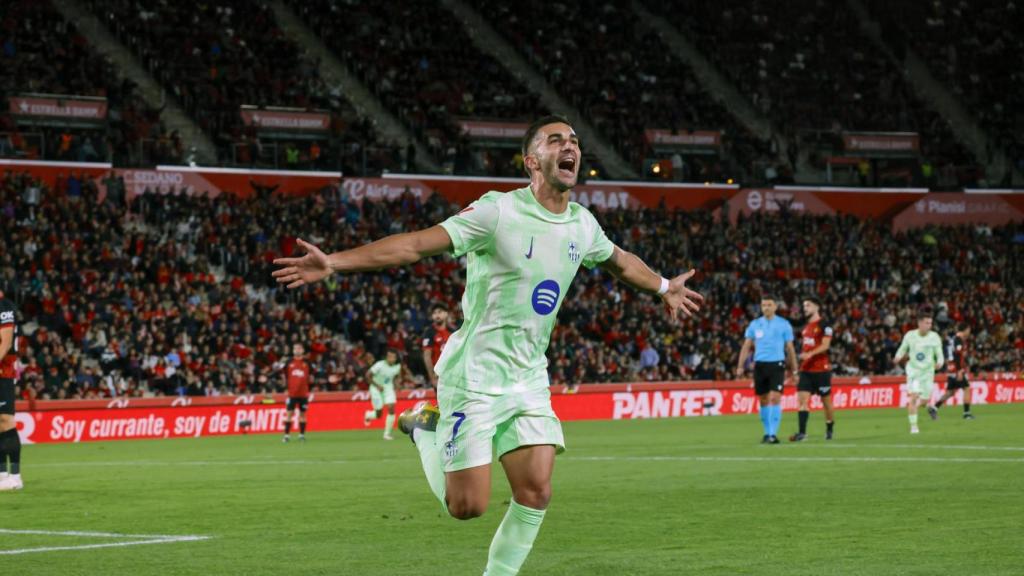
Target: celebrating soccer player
{"points": [[923, 350], [815, 369], [523, 249]]}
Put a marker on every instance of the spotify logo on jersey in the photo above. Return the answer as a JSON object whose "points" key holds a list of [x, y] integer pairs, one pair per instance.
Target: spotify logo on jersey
{"points": [[545, 297]]}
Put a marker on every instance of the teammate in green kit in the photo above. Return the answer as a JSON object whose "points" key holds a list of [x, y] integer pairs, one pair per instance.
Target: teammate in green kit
{"points": [[382, 390], [523, 249], [923, 350]]}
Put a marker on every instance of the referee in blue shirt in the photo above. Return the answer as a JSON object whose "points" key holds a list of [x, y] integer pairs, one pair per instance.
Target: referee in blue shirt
{"points": [[771, 337]]}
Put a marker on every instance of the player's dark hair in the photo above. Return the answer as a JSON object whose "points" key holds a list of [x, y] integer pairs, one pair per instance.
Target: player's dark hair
{"points": [[439, 306], [925, 312], [531, 132], [392, 351], [963, 327], [768, 296], [813, 300]]}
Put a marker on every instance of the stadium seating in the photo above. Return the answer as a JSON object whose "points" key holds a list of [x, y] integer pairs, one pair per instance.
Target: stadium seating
{"points": [[43, 53], [422, 72], [215, 58], [110, 294], [624, 80], [969, 47], [808, 67]]}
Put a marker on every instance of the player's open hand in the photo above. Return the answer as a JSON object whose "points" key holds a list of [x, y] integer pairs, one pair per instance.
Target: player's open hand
{"points": [[308, 269], [680, 299]]}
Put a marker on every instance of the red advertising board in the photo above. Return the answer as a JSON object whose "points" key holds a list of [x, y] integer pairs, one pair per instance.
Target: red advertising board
{"points": [[885, 143], [123, 419], [751, 200], [684, 139], [598, 194], [283, 120], [953, 208], [478, 129], [75, 108]]}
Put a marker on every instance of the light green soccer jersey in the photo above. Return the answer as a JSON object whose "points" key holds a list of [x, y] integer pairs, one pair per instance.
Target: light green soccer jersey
{"points": [[384, 374], [924, 352], [521, 262]]}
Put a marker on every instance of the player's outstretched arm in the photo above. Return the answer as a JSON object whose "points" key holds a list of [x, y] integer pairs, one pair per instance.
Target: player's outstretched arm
{"points": [[396, 250], [633, 271]]}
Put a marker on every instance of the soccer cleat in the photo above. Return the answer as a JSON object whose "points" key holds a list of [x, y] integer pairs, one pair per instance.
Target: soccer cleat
{"points": [[286, 439], [765, 439], [12, 482], [425, 419], [389, 437], [773, 439], [933, 412], [828, 435], [302, 438], [968, 416], [798, 437], [914, 430]]}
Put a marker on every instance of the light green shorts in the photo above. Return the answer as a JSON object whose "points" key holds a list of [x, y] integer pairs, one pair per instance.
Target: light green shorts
{"points": [[921, 384], [475, 425], [378, 399]]}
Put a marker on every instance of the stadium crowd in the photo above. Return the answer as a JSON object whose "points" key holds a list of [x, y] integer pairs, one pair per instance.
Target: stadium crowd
{"points": [[425, 74], [42, 53], [171, 294], [809, 67], [622, 78], [971, 48], [214, 58]]}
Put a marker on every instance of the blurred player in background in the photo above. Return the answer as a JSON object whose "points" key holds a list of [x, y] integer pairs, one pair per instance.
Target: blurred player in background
{"points": [[523, 250], [10, 442], [922, 349], [815, 369], [296, 375], [434, 339], [959, 377], [771, 338], [382, 377]]}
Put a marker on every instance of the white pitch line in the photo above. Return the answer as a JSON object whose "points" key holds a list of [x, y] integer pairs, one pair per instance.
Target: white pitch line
{"points": [[142, 539], [926, 446], [790, 459]]}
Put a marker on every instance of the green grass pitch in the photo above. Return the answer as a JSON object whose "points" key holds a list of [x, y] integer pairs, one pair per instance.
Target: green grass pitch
{"points": [[651, 497]]}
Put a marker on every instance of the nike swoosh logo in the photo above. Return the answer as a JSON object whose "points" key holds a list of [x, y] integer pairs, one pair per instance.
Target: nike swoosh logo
{"points": [[530, 253]]}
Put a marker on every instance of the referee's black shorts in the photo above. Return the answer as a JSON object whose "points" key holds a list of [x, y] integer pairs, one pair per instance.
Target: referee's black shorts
{"points": [[769, 377]]}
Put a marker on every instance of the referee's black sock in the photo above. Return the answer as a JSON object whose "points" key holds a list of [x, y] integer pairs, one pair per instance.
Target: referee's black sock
{"points": [[967, 407], [803, 415], [828, 426], [302, 427], [288, 427]]}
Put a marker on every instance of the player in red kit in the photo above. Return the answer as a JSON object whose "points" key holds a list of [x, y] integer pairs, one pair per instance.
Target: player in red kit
{"points": [[959, 369], [296, 375], [815, 369], [434, 339], [10, 442]]}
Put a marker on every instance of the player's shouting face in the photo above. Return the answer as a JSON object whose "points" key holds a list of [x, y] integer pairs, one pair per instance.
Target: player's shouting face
{"points": [[555, 152]]}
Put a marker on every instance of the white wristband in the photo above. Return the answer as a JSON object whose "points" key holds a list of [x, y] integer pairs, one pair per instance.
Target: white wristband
{"points": [[664, 287]]}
